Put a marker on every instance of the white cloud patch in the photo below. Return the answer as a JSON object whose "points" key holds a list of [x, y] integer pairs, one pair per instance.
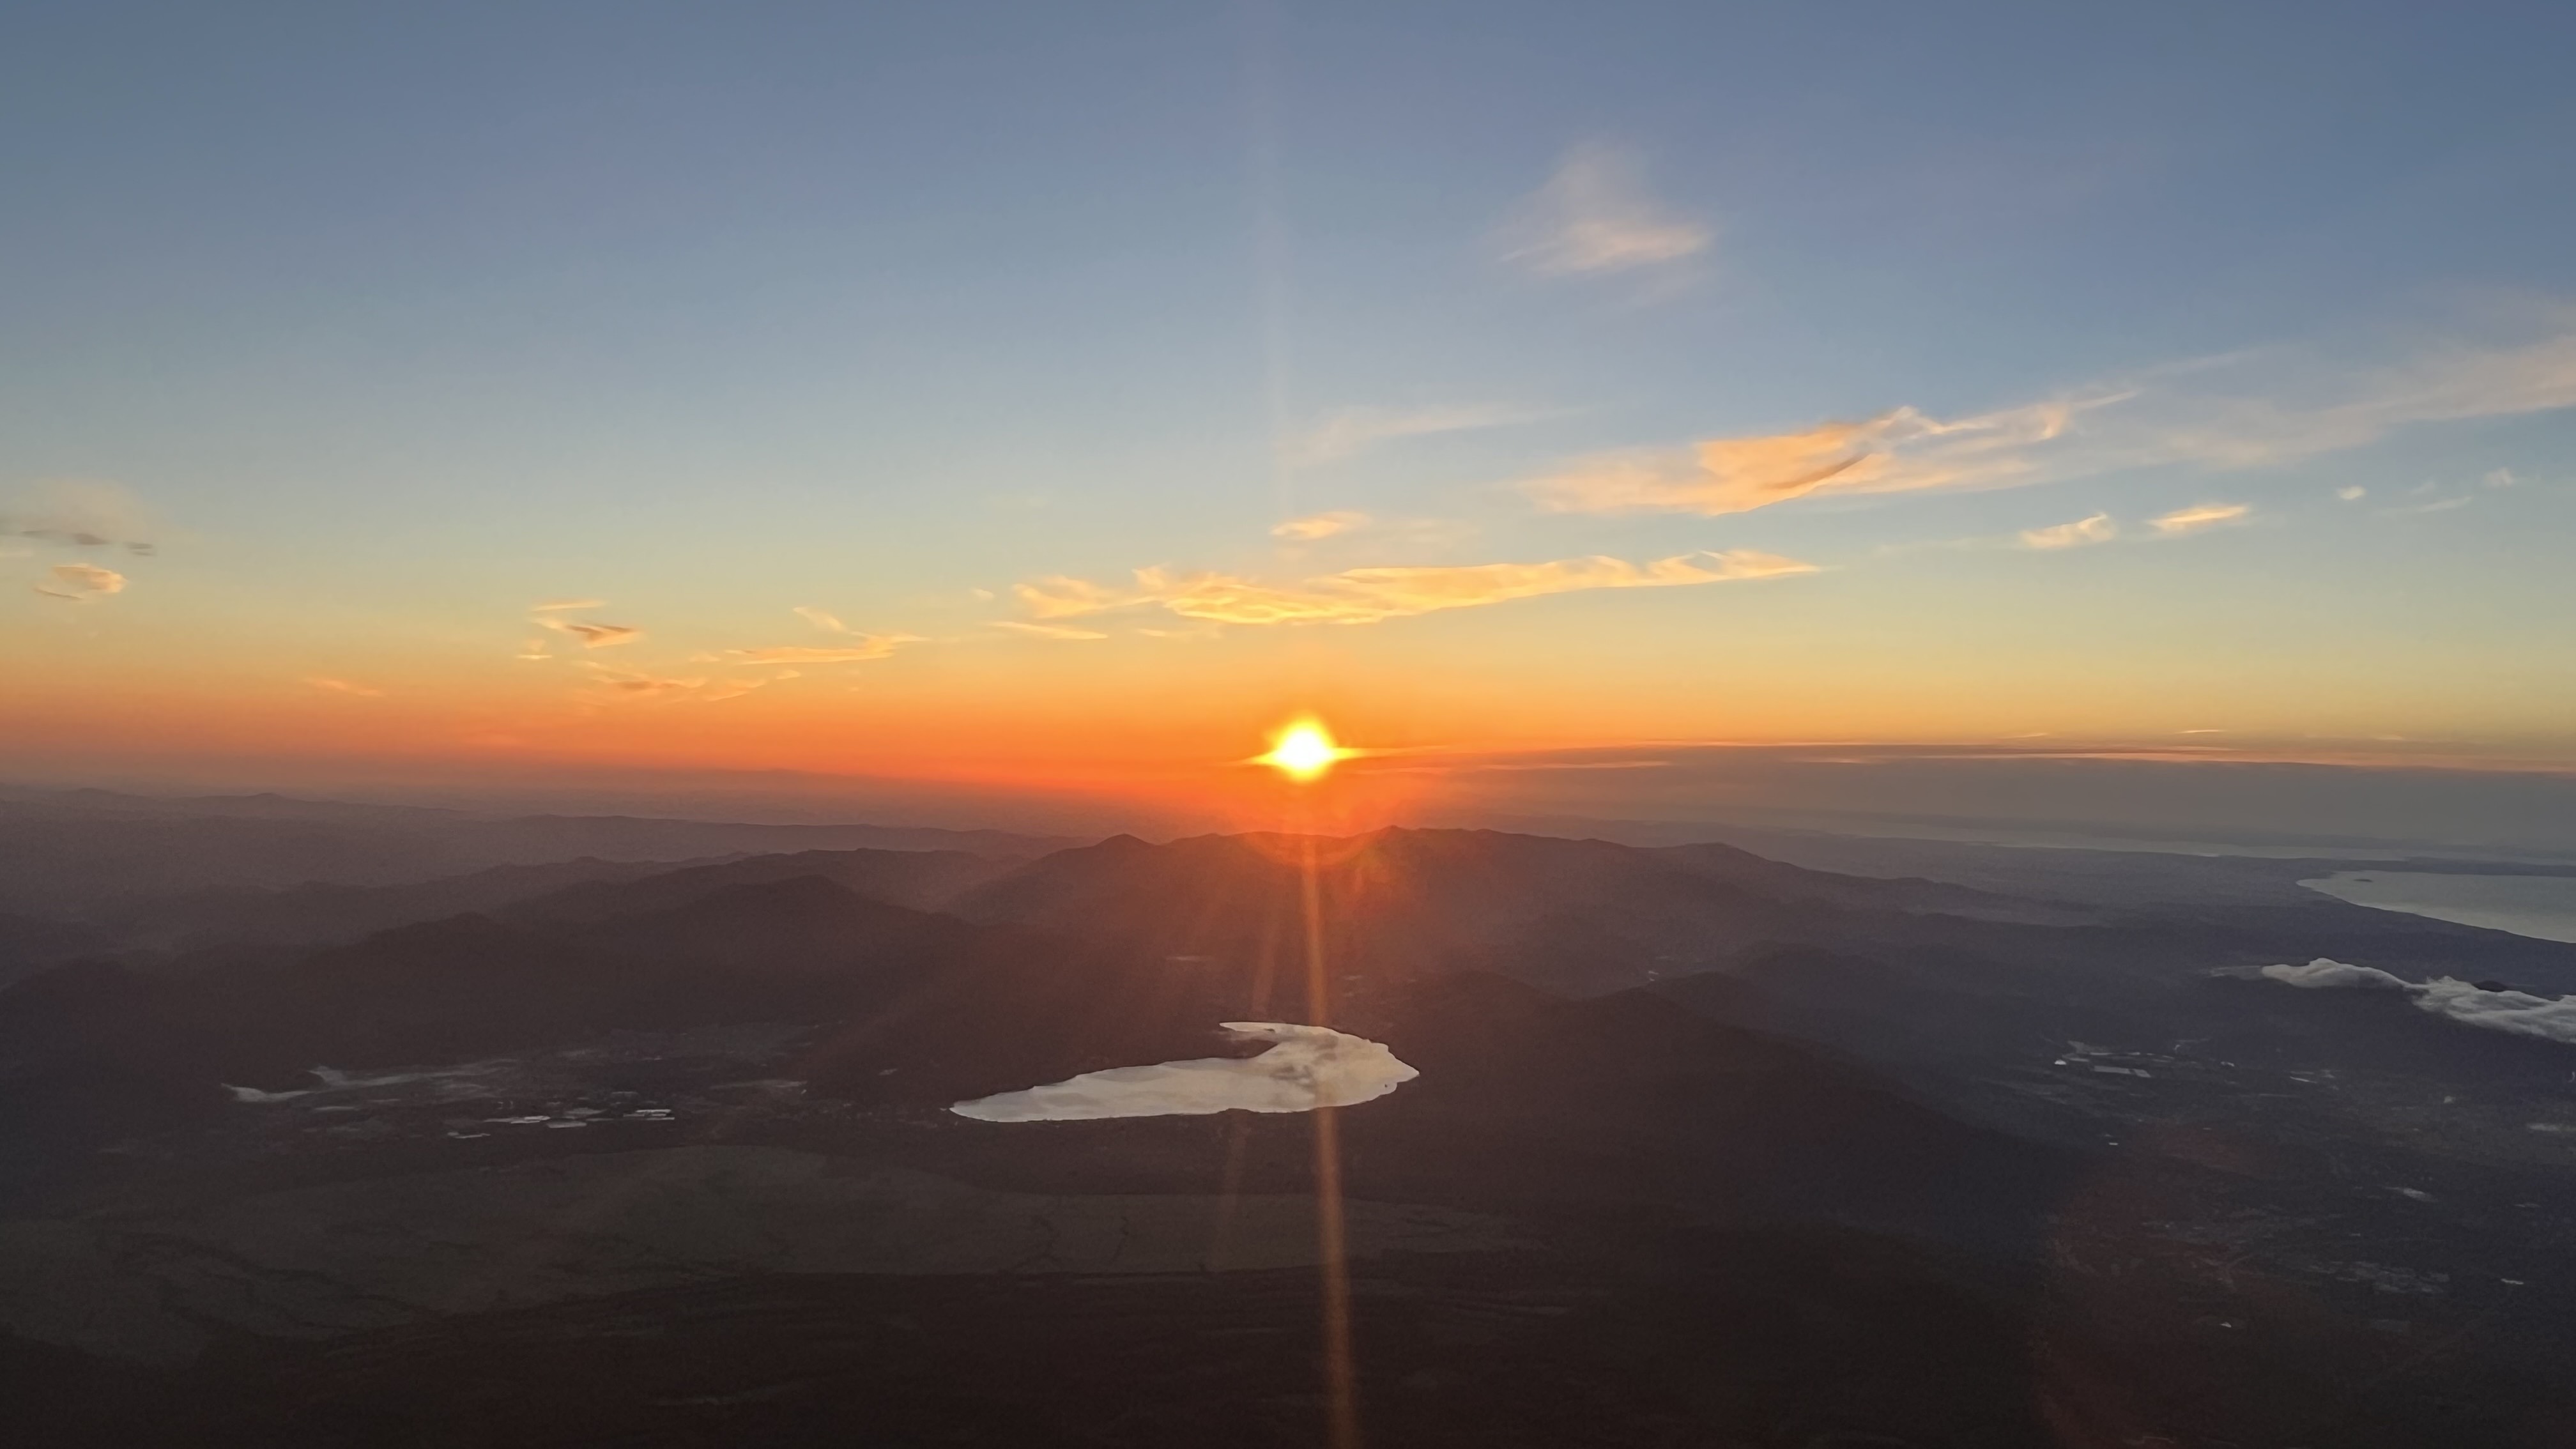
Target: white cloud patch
{"points": [[1595, 215], [80, 583], [1309, 1067], [1368, 595], [820, 619], [2517, 1012], [2097, 529], [550, 606]]}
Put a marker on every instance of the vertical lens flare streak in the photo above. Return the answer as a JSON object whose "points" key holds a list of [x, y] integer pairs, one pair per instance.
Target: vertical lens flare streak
{"points": [[1341, 1375], [1305, 752]]}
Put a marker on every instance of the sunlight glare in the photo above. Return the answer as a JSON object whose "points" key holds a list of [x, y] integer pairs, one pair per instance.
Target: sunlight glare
{"points": [[1304, 751]]}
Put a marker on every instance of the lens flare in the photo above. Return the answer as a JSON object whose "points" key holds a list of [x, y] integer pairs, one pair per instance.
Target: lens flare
{"points": [[1304, 751]]}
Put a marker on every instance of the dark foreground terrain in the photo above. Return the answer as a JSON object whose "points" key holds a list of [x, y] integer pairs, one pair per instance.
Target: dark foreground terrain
{"points": [[1705, 1150]]}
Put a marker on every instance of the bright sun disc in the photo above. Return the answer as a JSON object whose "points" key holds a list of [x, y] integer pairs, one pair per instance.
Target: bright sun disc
{"points": [[1304, 751]]}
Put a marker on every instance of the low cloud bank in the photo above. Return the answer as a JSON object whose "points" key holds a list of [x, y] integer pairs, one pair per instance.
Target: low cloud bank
{"points": [[2323, 974], [1310, 1067], [2518, 1012]]}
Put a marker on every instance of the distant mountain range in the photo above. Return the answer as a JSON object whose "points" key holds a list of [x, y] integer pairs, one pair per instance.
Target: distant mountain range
{"points": [[77, 850], [935, 975], [1634, 1062]]}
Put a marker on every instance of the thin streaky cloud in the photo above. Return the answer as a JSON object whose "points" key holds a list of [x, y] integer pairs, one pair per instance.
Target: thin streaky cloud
{"points": [[2439, 505], [341, 686], [2100, 528], [863, 648], [1895, 452], [553, 605], [1049, 631], [1596, 214], [1369, 595], [82, 513], [2172, 418], [630, 684], [2199, 516], [592, 636], [820, 619], [1348, 432], [1319, 525]]}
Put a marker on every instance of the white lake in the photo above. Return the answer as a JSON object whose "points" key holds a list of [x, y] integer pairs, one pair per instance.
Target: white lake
{"points": [[2539, 906]]}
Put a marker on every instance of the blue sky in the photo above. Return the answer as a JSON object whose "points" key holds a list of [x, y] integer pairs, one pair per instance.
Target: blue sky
{"points": [[396, 320]]}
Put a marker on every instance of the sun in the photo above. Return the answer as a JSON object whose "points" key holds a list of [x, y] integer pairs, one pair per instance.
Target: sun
{"points": [[1304, 751]]}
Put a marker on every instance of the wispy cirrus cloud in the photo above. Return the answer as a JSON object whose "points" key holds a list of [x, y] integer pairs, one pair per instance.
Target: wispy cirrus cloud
{"points": [[1596, 214], [1319, 525], [2199, 516], [2100, 528], [2222, 415], [82, 513], [1348, 432], [1441, 533], [1895, 452], [342, 686], [1369, 595], [630, 684], [2441, 497], [592, 635], [634, 684], [862, 649], [1064, 632], [551, 614], [80, 583]]}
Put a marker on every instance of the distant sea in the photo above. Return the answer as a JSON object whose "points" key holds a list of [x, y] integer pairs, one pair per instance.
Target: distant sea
{"points": [[2540, 906]]}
